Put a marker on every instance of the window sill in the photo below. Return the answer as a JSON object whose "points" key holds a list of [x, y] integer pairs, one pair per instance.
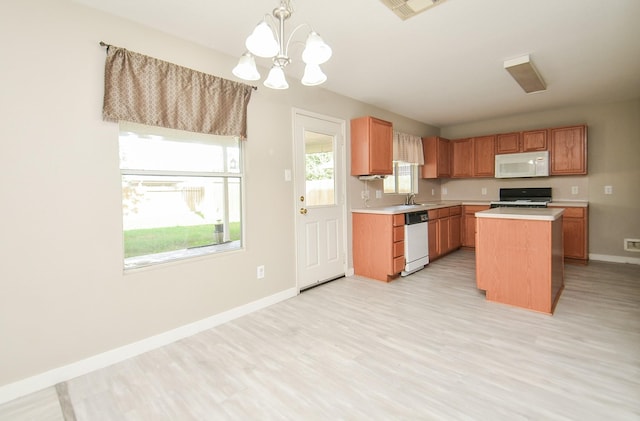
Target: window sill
{"points": [[171, 256]]}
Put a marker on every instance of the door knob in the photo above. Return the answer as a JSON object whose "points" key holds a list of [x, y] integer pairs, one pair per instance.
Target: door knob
{"points": [[303, 211]]}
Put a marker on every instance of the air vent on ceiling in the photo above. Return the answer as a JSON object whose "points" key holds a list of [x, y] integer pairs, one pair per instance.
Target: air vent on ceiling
{"points": [[525, 73], [409, 8]]}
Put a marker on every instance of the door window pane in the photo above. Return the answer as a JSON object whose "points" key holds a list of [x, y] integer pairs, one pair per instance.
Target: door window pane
{"points": [[319, 169]]}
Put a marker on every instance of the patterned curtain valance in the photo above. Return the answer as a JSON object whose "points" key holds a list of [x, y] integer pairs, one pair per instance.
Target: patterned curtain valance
{"points": [[146, 90], [407, 148]]}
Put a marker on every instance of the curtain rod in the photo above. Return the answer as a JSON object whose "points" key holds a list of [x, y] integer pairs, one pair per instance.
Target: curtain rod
{"points": [[104, 44]]}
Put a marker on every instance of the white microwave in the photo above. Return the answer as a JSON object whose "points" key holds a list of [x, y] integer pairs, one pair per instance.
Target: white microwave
{"points": [[527, 164]]}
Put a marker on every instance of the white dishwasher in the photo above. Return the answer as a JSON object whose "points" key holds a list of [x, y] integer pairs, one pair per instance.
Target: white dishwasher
{"points": [[416, 241]]}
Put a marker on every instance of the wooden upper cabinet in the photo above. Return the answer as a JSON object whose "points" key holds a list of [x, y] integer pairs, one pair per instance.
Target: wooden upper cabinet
{"points": [[508, 143], [568, 146], [517, 142], [437, 157], [462, 158], [371, 146], [484, 152], [534, 140]]}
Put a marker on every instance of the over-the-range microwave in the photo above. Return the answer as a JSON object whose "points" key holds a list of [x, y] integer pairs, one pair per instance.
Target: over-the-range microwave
{"points": [[527, 164]]}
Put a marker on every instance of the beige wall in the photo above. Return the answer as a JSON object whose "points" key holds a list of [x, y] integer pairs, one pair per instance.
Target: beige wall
{"points": [[63, 294], [613, 159]]}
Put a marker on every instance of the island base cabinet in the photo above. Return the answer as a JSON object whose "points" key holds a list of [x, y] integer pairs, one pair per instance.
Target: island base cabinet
{"points": [[520, 262]]}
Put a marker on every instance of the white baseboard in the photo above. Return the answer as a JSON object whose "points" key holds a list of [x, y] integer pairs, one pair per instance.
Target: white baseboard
{"points": [[50, 378], [615, 259], [350, 272]]}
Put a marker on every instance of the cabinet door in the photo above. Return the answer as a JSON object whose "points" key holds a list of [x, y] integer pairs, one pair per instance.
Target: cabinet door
{"points": [[434, 251], [371, 146], [462, 158], [484, 152], [574, 238], [508, 143], [454, 232], [444, 158], [469, 225], [436, 157], [443, 234], [568, 150], [534, 140], [381, 156]]}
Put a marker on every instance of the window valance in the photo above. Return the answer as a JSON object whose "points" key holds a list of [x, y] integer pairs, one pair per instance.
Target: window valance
{"points": [[407, 148], [146, 90]]}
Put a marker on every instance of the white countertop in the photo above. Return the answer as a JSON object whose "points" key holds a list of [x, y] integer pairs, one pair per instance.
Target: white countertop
{"points": [[396, 209], [538, 214]]}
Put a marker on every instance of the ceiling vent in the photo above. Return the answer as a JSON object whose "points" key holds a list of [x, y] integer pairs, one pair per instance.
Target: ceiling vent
{"points": [[525, 73], [406, 9]]}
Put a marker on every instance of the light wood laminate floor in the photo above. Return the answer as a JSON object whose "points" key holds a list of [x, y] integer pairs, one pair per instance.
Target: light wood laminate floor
{"points": [[423, 347]]}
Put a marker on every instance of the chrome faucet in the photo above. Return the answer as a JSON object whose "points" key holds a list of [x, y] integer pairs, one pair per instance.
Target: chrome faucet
{"points": [[410, 200]]}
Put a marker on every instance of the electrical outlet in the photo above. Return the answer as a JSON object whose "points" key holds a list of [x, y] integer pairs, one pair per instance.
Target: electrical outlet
{"points": [[433, 192], [260, 272], [574, 190], [444, 190], [364, 194], [608, 189], [484, 191], [378, 194]]}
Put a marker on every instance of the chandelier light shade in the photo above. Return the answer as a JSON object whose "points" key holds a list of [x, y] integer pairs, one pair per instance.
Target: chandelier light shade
{"points": [[316, 51], [261, 42], [246, 68], [313, 75], [276, 79], [268, 41]]}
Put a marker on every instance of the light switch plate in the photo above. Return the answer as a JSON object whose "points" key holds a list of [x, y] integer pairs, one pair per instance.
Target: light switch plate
{"points": [[608, 189], [574, 190]]}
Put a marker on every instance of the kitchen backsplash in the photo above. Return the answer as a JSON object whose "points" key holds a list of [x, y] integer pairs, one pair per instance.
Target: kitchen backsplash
{"points": [[564, 187]]}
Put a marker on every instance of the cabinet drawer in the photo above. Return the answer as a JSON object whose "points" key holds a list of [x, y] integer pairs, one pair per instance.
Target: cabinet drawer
{"points": [[398, 234], [573, 212], [398, 219], [398, 264], [433, 214], [444, 212], [398, 249], [455, 210]]}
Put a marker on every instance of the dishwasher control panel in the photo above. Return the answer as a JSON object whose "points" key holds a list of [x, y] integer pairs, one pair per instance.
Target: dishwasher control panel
{"points": [[418, 217]]}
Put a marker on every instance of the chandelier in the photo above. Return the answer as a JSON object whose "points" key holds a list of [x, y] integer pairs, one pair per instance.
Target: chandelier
{"points": [[266, 42]]}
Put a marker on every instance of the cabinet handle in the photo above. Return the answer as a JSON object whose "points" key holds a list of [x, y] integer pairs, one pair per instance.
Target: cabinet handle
{"points": [[303, 211]]}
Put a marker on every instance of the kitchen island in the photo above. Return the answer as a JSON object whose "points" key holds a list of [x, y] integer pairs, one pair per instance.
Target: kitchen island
{"points": [[519, 256]]}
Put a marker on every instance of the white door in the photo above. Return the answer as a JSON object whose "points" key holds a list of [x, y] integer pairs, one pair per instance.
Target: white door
{"points": [[319, 202]]}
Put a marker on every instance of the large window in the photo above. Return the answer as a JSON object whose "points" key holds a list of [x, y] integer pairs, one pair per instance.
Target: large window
{"points": [[181, 194], [404, 179]]}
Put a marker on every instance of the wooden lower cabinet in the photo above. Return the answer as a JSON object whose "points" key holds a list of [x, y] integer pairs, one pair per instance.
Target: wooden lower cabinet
{"points": [[469, 224], [378, 245], [444, 231], [575, 228]]}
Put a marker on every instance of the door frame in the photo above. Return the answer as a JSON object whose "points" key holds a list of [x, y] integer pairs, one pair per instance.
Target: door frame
{"points": [[295, 112]]}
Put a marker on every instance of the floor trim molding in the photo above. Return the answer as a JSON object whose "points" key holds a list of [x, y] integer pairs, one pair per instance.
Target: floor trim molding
{"points": [[50, 378], [614, 259]]}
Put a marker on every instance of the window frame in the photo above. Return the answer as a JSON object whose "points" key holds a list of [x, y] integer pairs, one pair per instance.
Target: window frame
{"points": [[415, 171], [154, 259]]}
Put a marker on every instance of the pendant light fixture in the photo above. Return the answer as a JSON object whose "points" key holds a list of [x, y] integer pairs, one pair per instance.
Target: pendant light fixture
{"points": [[266, 42]]}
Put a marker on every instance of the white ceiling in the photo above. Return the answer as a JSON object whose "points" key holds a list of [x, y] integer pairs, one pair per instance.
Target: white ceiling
{"points": [[443, 66]]}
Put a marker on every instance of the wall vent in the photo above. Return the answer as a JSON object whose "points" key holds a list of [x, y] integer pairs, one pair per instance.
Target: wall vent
{"points": [[632, 244], [406, 9]]}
